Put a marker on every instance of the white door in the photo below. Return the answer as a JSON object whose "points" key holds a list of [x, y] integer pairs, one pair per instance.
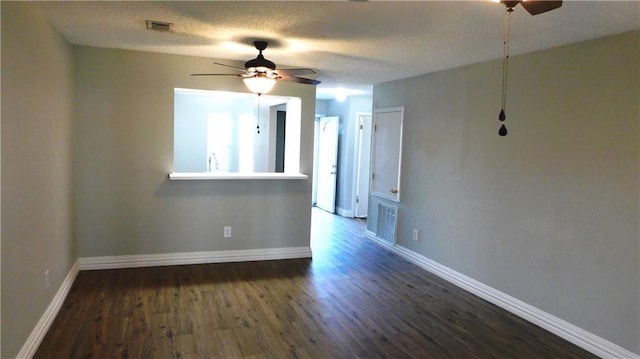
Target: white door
{"points": [[327, 163], [363, 166], [386, 152]]}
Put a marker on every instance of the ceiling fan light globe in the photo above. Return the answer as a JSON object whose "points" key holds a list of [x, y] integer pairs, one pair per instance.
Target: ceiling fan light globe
{"points": [[259, 84]]}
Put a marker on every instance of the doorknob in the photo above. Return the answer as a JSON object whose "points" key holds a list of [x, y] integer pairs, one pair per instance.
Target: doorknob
{"points": [[394, 191]]}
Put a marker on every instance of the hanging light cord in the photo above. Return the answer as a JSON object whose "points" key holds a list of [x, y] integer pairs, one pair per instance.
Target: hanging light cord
{"points": [[505, 70], [258, 126], [505, 61]]}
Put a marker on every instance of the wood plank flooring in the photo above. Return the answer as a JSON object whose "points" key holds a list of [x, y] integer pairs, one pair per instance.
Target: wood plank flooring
{"points": [[353, 300]]}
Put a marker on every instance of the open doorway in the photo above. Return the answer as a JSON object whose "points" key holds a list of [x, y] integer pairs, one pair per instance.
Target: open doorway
{"points": [[353, 156], [281, 125], [326, 163], [358, 170]]}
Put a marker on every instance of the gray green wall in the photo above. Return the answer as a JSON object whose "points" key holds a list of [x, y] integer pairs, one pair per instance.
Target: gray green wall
{"points": [[87, 144], [37, 169], [125, 203], [548, 214]]}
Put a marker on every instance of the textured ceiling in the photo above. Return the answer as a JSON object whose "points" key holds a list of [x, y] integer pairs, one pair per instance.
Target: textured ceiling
{"points": [[351, 44]]}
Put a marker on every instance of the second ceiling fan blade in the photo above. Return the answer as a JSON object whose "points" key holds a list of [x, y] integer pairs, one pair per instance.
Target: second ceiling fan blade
{"points": [[216, 75], [535, 7], [296, 72], [300, 80], [229, 66]]}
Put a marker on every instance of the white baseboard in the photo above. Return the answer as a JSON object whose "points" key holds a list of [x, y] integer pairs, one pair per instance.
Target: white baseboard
{"points": [[557, 326], [381, 241], [132, 261], [37, 334], [569, 332], [170, 259], [344, 212]]}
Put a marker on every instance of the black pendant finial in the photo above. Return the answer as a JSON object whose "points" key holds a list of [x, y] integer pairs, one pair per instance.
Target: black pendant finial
{"points": [[503, 130]]}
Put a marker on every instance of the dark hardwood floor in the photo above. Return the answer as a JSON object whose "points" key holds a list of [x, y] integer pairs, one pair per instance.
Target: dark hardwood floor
{"points": [[353, 300]]}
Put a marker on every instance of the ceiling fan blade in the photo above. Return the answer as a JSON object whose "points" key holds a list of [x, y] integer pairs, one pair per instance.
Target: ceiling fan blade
{"points": [[216, 75], [229, 66], [300, 80], [296, 72], [535, 7]]}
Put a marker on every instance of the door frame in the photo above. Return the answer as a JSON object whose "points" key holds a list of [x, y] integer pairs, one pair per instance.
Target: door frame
{"points": [[361, 157]]}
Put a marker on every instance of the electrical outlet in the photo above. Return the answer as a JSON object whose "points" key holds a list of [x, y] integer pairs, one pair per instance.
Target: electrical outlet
{"points": [[227, 231], [46, 279], [415, 234]]}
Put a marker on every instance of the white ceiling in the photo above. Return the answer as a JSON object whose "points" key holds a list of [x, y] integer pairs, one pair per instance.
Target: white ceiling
{"points": [[351, 44]]}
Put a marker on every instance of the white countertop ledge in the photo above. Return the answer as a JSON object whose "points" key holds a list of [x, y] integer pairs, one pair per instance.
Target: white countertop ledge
{"points": [[203, 176]]}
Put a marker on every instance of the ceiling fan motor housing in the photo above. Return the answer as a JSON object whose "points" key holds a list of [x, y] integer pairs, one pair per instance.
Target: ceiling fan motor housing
{"points": [[260, 61], [510, 4], [534, 7]]}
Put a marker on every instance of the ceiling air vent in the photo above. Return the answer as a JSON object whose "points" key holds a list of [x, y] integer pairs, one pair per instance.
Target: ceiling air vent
{"points": [[158, 25]]}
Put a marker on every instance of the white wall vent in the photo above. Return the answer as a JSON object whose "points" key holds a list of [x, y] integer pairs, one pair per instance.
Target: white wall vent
{"points": [[158, 26], [387, 221]]}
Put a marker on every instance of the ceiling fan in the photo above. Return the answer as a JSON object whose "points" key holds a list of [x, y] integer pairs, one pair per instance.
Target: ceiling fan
{"points": [[260, 74], [534, 7]]}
